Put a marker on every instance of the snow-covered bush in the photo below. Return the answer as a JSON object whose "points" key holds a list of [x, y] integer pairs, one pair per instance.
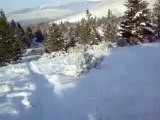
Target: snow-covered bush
{"points": [[76, 64], [47, 56], [77, 61]]}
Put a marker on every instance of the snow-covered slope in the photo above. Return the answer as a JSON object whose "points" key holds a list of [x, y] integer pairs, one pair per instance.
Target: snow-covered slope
{"points": [[117, 7], [125, 86], [39, 14]]}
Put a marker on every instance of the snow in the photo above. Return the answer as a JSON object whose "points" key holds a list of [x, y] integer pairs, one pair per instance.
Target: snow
{"points": [[138, 14], [33, 54], [99, 11], [45, 6], [143, 24], [125, 86], [4, 88], [40, 14], [34, 51], [117, 7]]}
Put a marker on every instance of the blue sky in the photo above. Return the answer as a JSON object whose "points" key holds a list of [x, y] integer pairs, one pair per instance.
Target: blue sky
{"points": [[12, 5]]}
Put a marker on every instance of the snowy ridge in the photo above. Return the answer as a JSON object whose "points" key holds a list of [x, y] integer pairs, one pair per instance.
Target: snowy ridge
{"points": [[101, 10]]}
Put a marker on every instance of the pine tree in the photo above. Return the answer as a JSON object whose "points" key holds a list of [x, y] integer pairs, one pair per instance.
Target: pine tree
{"points": [[136, 24], [55, 40], [21, 34], [63, 28], [10, 43], [72, 36], [88, 30], [84, 32], [16, 32], [126, 24], [156, 14], [110, 27], [29, 37], [142, 22]]}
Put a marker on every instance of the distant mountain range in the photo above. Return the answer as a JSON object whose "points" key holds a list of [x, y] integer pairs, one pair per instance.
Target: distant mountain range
{"points": [[51, 12], [76, 6], [23, 11]]}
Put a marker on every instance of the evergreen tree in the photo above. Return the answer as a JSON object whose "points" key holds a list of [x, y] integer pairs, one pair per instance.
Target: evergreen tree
{"points": [[16, 29], [55, 40], [63, 28], [29, 37], [3, 24], [72, 35], [87, 31], [110, 27], [156, 14], [84, 32], [13, 25], [136, 24], [21, 34], [101, 21], [142, 22], [10, 43], [72, 38]]}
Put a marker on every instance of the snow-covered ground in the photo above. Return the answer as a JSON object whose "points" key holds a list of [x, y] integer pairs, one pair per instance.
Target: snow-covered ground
{"points": [[125, 86]]}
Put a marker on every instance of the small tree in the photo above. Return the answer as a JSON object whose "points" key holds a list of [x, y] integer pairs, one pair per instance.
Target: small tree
{"points": [[55, 41], [87, 31], [110, 27]]}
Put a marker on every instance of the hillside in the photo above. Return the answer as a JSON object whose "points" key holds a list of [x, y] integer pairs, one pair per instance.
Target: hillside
{"points": [[125, 86], [50, 12], [117, 6]]}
